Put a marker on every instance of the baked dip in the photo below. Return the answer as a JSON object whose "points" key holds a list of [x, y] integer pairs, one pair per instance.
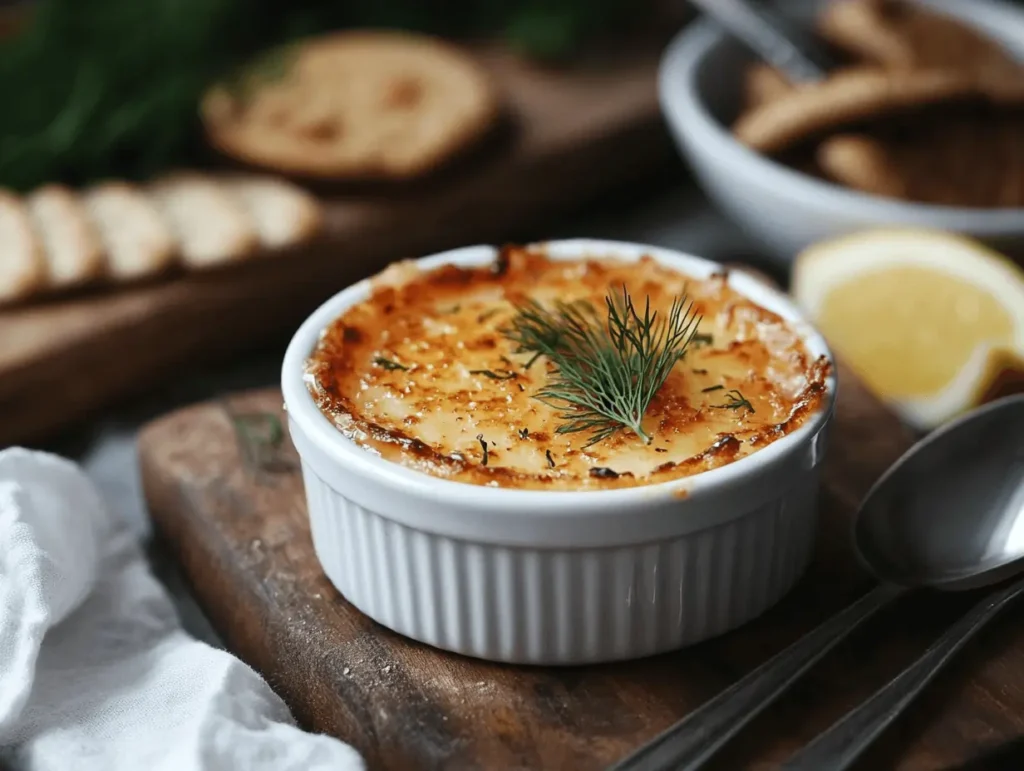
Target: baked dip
{"points": [[584, 374]]}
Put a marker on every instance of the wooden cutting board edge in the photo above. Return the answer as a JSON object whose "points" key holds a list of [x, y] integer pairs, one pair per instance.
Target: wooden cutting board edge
{"points": [[321, 698]]}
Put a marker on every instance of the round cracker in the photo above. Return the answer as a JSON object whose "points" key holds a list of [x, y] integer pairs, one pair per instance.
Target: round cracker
{"points": [[357, 105], [858, 95]]}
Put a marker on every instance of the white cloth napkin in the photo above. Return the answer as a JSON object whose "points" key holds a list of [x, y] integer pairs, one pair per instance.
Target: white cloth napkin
{"points": [[95, 671]]}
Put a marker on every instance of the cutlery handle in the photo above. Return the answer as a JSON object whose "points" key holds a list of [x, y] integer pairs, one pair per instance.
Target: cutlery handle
{"points": [[837, 747], [695, 738], [776, 43]]}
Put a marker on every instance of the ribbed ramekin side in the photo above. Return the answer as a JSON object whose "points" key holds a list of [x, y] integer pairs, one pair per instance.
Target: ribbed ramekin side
{"points": [[562, 606]]}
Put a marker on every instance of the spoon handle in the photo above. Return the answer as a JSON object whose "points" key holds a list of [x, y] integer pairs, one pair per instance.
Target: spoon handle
{"points": [[837, 747], [695, 738], [775, 42]]}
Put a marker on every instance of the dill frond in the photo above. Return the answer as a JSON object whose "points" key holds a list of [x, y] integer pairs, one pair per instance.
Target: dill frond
{"points": [[606, 371]]}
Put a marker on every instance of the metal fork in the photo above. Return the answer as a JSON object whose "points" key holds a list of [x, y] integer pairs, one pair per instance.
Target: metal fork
{"points": [[794, 51]]}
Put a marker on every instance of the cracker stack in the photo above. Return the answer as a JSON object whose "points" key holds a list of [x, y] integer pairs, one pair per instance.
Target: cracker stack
{"points": [[116, 232]]}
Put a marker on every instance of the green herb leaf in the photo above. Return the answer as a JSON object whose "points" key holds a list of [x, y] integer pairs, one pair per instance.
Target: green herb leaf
{"points": [[703, 340], [606, 372], [551, 461], [262, 427], [501, 374], [736, 401], [260, 438], [389, 365], [709, 389], [483, 444]]}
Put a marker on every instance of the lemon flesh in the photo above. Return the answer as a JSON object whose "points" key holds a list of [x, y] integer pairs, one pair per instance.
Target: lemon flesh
{"points": [[932, 322], [908, 330]]}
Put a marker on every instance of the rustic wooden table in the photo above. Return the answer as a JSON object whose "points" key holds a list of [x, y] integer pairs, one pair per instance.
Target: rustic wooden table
{"points": [[679, 219]]}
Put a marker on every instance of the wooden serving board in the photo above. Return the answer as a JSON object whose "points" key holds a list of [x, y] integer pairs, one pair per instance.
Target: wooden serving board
{"points": [[573, 135], [232, 510]]}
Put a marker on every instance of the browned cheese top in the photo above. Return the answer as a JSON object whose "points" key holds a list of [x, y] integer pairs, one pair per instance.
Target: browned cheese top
{"points": [[422, 374]]}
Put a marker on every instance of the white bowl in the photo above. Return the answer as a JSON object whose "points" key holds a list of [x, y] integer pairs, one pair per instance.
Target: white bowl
{"points": [[563, 577], [783, 209]]}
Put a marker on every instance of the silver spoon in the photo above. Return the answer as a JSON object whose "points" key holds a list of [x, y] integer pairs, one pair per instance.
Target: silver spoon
{"points": [[794, 51], [913, 530], [949, 515]]}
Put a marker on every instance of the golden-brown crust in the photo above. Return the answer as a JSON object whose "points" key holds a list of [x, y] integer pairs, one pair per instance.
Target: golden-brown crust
{"points": [[361, 105], [422, 374]]}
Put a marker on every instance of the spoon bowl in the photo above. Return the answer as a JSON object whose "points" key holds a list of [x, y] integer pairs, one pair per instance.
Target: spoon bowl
{"points": [[950, 513]]}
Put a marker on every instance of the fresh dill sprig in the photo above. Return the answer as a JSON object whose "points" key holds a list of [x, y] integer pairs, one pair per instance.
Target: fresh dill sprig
{"points": [[735, 401], [605, 371]]}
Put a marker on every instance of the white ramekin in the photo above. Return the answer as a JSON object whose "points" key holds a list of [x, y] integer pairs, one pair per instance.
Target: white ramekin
{"points": [[543, 577]]}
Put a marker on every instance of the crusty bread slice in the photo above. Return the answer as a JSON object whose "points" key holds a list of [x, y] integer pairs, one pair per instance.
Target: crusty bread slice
{"points": [[212, 227], [283, 213], [358, 104], [22, 270], [72, 250], [137, 241]]}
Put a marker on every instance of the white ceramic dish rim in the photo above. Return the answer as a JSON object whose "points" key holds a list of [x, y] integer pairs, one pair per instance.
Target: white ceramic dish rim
{"points": [[531, 505], [681, 102]]}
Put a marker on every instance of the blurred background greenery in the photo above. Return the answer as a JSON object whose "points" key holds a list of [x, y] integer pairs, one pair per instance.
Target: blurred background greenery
{"points": [[92, 88]]}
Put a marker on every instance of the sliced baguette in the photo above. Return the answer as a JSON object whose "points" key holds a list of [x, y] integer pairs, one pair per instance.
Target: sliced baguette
{"points": [[72, 250], [22, 270], [212, 227], [284, 215], [137, 241]]}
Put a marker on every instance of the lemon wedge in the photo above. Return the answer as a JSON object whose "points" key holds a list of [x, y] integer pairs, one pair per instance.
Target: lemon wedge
{"points": [[930, 321]]}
